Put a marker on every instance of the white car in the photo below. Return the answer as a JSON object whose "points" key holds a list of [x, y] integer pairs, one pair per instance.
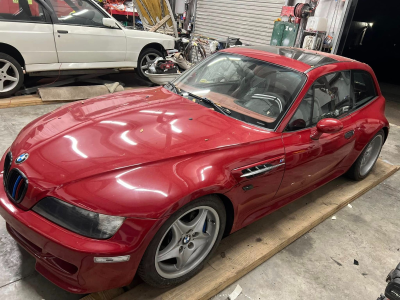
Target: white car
{"points": [[56, 35]]}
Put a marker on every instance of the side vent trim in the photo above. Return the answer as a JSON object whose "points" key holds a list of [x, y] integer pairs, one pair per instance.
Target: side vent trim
{"points": [[259, 170]]}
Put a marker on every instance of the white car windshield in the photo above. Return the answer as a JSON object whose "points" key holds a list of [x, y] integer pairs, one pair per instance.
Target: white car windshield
{"points": [[248, 89]]}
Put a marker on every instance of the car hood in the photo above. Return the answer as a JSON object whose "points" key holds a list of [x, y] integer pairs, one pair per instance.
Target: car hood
{"points": [[123, 130], [149, 35]]}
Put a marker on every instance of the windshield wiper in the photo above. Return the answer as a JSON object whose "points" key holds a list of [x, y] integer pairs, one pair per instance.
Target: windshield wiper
{"points": [[174, 88], [224, 111]]}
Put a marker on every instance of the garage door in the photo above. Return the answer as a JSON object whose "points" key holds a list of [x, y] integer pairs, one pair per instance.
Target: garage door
{"points": [[251, 21]]}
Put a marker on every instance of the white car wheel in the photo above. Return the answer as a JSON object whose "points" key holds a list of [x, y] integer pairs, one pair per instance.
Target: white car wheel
{"points": [[11, 76]]}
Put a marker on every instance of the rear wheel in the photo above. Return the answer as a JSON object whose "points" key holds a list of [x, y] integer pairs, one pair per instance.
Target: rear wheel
{"points": [[184, 243], [365, 162], [11, 75], [146, 58]]}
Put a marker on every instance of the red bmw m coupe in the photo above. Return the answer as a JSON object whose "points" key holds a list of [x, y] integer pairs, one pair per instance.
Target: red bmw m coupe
{"points": [[149, 181]]}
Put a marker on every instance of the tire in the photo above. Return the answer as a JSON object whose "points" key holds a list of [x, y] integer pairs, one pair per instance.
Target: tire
{"points": [[10, 68], [368, 157], [194, 246], [146, 56]]}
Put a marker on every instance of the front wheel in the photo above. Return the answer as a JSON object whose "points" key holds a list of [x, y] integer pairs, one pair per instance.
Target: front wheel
{"points": [[11, 75], [146, 58], [184, 243], [364, 163]]}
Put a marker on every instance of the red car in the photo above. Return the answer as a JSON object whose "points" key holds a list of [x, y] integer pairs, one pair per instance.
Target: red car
{"points": [[149, 181]]}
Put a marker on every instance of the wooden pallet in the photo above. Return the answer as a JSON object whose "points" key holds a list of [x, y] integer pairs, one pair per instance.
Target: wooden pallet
{"points": [[27, 100], [246, 249]]}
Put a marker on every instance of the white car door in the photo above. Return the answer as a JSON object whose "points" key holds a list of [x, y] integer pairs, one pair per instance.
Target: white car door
{"points": [[81, 37], [25, 26]]}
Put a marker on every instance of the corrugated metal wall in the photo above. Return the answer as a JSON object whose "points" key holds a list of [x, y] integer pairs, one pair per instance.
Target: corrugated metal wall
{"points": [[252, 21]]}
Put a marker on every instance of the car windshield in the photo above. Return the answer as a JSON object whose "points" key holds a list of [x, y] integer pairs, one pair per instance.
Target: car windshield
{"points": [[250, 90]]}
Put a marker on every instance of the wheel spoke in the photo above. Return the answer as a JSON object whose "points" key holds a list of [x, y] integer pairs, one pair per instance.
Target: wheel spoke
{"points": [[148, 58], [145, 67], [183, 258], [182, 227], [168, 253], [1, 85], [5, 67], [198, 222], [11, 78], [201, 240]]}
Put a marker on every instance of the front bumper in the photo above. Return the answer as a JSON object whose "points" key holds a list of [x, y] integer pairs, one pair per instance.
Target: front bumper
{"points": [[67, 259]]}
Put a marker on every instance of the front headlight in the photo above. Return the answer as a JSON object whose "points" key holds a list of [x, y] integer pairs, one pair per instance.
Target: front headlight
{"points": [[81, 221]]}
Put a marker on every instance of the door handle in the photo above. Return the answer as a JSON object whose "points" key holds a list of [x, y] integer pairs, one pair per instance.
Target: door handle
{"points": [[348, 134], [62, 31]]}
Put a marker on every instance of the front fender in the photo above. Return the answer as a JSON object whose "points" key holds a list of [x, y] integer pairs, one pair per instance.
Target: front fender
{"points": [[151, 191]]}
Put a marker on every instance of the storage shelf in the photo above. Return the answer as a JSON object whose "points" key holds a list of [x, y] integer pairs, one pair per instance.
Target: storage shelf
{"points": [[121, 13]]}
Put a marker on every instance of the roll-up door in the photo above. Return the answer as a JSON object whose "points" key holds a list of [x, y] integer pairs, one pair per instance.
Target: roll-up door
{"points": [[251, 21]]}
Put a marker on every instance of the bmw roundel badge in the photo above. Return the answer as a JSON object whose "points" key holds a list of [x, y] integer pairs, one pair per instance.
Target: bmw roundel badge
{"points": [[20, 159]]}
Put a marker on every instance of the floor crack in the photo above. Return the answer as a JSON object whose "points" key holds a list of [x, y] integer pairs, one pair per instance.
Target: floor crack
{"points": [[16, 280]]}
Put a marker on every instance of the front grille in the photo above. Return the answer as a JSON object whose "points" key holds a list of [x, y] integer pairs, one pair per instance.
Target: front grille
{"points": [[15, 182]]}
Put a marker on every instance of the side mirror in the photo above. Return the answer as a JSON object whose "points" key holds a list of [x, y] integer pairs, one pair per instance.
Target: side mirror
{"points": [[109, 22], [328, 125]]}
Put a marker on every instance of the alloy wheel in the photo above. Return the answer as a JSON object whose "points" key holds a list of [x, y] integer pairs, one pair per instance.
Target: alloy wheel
{"points": [[9, 76], [371, 154], [187, 242], [147, 60]]}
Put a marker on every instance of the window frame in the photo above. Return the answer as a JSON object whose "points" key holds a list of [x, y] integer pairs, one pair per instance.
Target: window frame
{"points": [[350, 111], [46, 14], [354, 107], [362, 103], [94, 5]]}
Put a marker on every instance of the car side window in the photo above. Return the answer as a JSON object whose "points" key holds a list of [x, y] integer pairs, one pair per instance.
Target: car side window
{"points": [[363, 86], [77, 12], [329, 97], [21, 11]]}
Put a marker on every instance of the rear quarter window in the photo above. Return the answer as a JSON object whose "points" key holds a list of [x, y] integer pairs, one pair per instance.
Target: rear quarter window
{"points": [[364, 87]]}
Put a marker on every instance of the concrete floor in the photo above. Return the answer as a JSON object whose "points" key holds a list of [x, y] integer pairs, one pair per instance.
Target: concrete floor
{"points": [[319, 265]]}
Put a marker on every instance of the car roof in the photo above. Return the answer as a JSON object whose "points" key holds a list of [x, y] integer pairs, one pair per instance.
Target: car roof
{"points": [[301, 60]]}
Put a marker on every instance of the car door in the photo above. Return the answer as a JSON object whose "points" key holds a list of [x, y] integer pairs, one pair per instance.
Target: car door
{"points": [[80, 35], [25, 25], [311, 162]]}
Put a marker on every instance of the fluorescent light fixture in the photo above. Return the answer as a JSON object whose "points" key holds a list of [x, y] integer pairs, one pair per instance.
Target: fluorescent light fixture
{"points": [[157, 112], [126, 139], [113, 122], [215, 61], [75, 146], [134, 188], [174, 128], [122, 174], [201, 92], [202, 172], [80, 12]]}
